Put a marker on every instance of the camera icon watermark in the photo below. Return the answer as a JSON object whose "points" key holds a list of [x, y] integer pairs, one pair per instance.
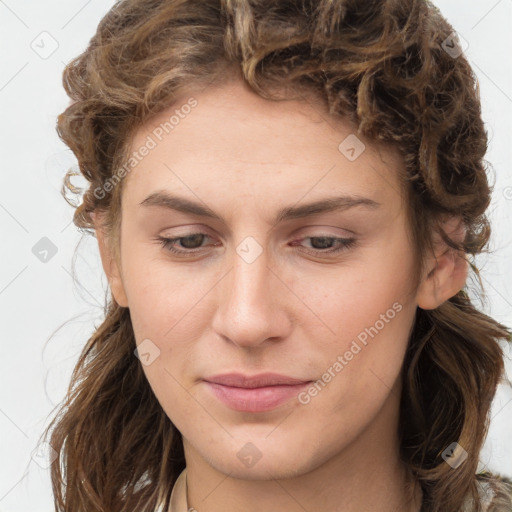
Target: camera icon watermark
{"points": [[249, 455], [454, 45], [351, 147], [44, 250], [44, 455], [147, 352], [45, 45], [249, 249], [507, 192], [454, 455]]}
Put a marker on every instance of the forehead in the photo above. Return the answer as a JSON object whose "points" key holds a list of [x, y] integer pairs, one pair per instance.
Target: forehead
{"points": [[226, 143]]}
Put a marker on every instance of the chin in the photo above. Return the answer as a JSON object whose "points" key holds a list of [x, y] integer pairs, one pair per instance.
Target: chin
{"points": [[262, 460]]}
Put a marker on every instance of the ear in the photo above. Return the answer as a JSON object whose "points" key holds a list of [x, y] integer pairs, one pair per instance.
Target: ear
{"points": [[446, 270], [108, 261]]}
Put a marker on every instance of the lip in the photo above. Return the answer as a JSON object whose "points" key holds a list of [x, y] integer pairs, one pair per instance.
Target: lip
{"points": [[257, 393]]}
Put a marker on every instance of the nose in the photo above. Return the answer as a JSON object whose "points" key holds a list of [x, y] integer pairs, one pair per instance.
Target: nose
{"points": [[253, 304]]}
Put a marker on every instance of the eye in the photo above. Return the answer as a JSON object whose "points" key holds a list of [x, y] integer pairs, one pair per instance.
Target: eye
{"points": [[192, 243], [324, 244]]}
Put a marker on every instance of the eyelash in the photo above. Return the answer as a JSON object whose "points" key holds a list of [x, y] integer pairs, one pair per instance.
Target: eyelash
{"points": [[168, 244]]}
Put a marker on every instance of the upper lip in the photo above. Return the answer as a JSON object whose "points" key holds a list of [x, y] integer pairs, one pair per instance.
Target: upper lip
{"points": [[239, 380]]}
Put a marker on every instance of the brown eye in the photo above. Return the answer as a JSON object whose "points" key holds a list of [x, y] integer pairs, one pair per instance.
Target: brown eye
{"points": [[189, 243], [323, 244]]}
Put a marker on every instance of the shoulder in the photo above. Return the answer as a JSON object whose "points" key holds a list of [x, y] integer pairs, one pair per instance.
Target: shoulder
{"points": [[495, 491]]}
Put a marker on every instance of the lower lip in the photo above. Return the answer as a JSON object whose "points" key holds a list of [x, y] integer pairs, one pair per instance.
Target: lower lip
{"points": [[256, 399]]}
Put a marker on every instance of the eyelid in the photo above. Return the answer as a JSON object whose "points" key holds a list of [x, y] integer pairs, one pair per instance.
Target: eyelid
{"points": [[320, 227], [204, 230]]}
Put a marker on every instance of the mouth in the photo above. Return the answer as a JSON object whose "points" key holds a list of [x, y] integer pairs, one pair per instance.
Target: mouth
{"points": [[258, 393]]}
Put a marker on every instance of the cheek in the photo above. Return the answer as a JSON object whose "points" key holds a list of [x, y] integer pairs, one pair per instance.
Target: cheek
{"points": [[166, 308], [360, 293], [369, 333], [163, 296], [369, 314]]}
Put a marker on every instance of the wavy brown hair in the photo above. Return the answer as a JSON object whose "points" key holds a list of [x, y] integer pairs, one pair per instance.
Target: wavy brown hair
{"points": [[380, 64]]}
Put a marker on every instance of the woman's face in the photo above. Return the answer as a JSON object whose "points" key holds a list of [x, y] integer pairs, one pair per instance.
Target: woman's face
{"points": [[266, 283]]}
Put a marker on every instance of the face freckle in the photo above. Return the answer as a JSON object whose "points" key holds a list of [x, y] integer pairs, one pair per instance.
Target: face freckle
{"points": [[255, 176]]}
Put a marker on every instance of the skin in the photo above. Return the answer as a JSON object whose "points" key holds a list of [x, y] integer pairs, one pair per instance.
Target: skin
{"points": [[289, 311]]}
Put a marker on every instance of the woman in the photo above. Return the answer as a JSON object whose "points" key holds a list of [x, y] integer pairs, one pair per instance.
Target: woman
{"points": [[285, 196]]}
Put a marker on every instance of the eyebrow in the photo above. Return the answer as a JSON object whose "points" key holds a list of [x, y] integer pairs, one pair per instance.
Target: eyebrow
{"points": [[329, 204]]}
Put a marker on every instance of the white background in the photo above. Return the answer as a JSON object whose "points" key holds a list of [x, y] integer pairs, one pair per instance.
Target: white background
{"points": [[40, 299]]}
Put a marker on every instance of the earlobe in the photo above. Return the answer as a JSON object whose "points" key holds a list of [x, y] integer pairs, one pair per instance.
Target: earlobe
{"points": [[447, 272], [109, 263]]}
